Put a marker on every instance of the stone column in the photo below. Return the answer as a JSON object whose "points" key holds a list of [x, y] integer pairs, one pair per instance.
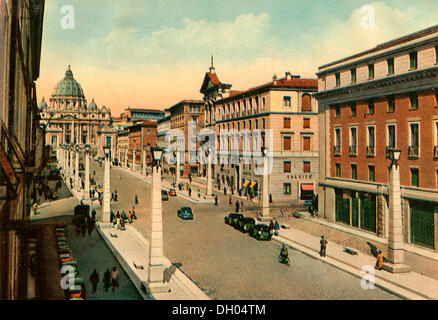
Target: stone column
{"points": [[77, 182], [144, 161], [106, 210], [178, 169], [156, 260], [239, 182], [209, 179], [86, 197], [265, 195], [70, 166], [126, 157], [133, 159], [396, 254]]}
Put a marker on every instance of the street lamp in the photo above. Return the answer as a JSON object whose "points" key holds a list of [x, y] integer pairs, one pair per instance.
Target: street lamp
{"points": [[156, 259], [395, 225], [106, 210]]}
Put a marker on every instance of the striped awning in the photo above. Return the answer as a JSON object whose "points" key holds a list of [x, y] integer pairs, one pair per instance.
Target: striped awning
{"points": [[247, 182], [253, 184]]}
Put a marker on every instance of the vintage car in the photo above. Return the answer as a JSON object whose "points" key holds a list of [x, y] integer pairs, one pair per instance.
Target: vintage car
{"points": [[185, 213], [172, 192], [164, 195], [261, 232], [246, 224], [233, 218]]}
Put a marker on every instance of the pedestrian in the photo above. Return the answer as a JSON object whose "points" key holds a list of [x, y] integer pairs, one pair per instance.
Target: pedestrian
{"points": [[112, 216], [276, 227], [129, 216], [93, 214], [230, 201], [91, 223], [94, 172], [270, 198], [225, 190], [215, 200], [112, 196], [379, 262], [118, 223], [133, 213], [271, 227], [199, 193], [136, 199], [323, 243], [115, 196], [100, 199], [94, 279], [107, 280], [237, 205], [190, 192], [114, 278]]}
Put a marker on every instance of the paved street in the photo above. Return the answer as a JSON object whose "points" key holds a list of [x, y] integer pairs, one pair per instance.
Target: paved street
{"points": [[229, 264]]}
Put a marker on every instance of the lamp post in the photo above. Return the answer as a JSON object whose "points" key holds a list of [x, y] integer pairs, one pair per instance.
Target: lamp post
{"points": [[77, 182], [86, 196], [209, 180], [106, 210], [265, 194], [156, 263], [395, 226]]}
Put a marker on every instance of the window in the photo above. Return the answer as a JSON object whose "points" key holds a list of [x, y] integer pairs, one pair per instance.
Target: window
{"points": [[338, 79], [286, 123], [391, 136], [414, 101], [353, 75], [371, 173], [354, 171], [414, 140], [286, 188], [306, 143], [286, 143], [370, 71], [287, 166], [337, 111], [415, 179], [390, 66], [413, 60], [263, 122], [353, 109], [371, 141], [306, 166], [287, 102], [306, 123], [371, 106], [257, 123], [306, 103], [263, 102], [353, 140], [391, 104], [338, 170], [338, 141]]}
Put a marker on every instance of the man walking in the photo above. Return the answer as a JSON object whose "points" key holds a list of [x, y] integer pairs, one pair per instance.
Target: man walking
{"points": [[237, 205], [114, 278], [323, 249], [379, 262], [215, 200], [94, 279], [107, 280]]}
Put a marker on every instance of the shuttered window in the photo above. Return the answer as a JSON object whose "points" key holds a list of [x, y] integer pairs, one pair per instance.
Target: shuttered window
{"points": [[287, 143], [306, 165], [422, 223], [415, 181], [287, 166], [286, 122], [306, 103], [306, 123], [306, 143]]}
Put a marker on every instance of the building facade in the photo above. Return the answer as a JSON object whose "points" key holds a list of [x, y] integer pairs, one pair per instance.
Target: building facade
{"points": [[287, 109], [21, 141], [381, 99], [69, 119]]}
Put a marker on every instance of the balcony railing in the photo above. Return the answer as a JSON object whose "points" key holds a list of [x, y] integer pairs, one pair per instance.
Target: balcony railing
{"points": [[370, 151], [352, 150], [337, 150], [413, 151], [435, 152]]}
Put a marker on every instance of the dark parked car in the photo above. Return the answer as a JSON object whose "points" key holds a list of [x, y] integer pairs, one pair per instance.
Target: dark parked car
{"points": [[261, 232], [233, 218], [185, 213], [246, 224]]}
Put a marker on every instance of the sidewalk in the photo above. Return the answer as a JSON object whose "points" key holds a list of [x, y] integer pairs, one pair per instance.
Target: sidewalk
{"points": [[412, 286], [131, 249]]}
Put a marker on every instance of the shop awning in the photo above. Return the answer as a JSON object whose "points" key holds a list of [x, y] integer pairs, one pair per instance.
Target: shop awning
{"points": [[247, 182], [253, 184], [307, 187]]}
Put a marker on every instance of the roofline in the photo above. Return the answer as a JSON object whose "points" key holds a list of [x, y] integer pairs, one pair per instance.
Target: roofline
{"points": [[184, 102]]}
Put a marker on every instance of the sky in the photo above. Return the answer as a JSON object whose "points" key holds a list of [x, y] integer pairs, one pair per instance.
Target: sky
{"points": [[152, 54]]}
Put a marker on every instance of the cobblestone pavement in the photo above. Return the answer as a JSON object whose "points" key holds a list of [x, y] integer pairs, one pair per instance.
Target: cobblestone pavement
{"points": [[228, 264]]}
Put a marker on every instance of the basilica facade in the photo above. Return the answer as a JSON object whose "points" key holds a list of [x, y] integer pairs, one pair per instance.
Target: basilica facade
{"points": [[68, 117]]}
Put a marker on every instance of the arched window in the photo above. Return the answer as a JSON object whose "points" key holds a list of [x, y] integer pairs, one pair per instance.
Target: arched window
{"points": [[306, 103]]}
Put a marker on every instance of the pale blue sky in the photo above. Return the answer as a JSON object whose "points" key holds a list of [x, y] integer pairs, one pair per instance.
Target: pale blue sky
{"points": [[153, 53]]}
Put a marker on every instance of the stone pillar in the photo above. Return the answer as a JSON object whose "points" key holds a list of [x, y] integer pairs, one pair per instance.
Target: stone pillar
{"points": [[106, 210], [77, 182], [133, 159], [144, 161], [239, 183], [156, 259], [126, 157], [86, 197], [265, 195], [70, 166], [209, 179], [395, 229], [178, 168]]}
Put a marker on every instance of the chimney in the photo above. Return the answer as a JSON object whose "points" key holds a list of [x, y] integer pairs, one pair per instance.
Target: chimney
{"points": [[288, 75], [274, 80]]}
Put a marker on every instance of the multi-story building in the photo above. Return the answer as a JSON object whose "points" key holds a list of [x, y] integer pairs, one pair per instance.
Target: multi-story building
{"points": [[69, 119], [284, 106], [21, 141], [134, 115], [142, 137], [163, 127], [181, 114], [381, 99]]}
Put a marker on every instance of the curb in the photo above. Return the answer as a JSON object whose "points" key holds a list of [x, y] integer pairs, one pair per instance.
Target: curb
{"points": [[384, 284]]}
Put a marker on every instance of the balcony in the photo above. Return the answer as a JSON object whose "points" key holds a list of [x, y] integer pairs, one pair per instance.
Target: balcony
{"points": [[413, 151], [435, 152], [352, 150], [337, 150], [370, 151]]}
